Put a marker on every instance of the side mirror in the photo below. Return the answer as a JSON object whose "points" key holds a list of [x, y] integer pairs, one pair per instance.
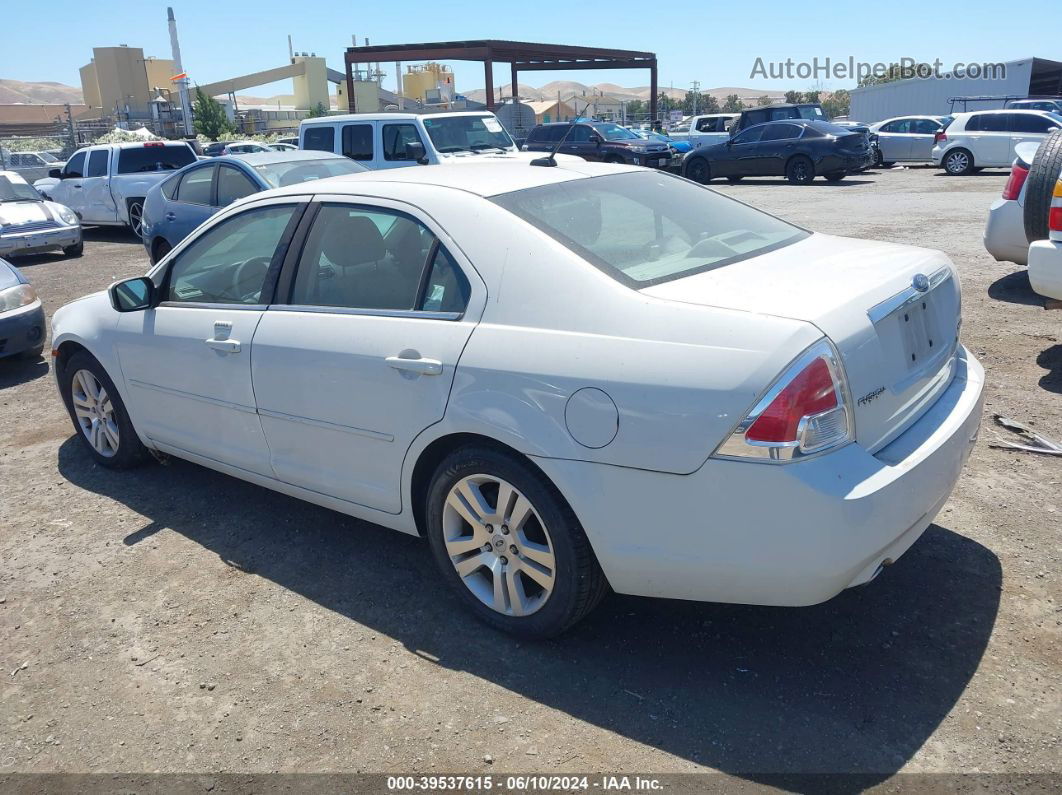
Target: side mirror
{"points": [[55, 173], [415, 151], [132, 295]]}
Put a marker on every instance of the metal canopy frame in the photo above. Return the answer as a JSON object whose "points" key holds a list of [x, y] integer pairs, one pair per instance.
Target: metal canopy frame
{"points": [[520, 55]]}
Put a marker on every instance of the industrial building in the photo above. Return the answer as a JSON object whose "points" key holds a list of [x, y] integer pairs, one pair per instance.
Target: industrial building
{"points": [[121, 81], [1027, 77]]}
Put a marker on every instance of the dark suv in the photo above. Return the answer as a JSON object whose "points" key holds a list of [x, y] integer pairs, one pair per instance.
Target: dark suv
{"points": [[810, 111], [600, 140]]}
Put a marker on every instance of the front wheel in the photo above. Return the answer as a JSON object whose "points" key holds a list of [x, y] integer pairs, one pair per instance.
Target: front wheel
{"points": [[75, 250], [958, 163], [509, 544], [136, 217], [99, 415], [699, 171], [800, 170]]}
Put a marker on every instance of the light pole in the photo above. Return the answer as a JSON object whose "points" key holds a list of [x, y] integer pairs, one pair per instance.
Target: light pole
{"points": [[695, 86]]}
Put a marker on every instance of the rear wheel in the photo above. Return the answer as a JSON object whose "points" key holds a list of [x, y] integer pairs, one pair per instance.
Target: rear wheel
{"points": [[509, 544], [698, 170], [1044, 173], [958, 163], [99, 415], [136, 216], [800, 170]]}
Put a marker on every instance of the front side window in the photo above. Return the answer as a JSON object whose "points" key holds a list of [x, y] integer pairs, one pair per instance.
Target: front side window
{"points": [[1022, 123], [580, 134], [898, 126], [467, 133], [228, 263], [750, 135], [357, 141], [75, 166], [648, 227], [233, 184], [396, 140], [322, 139], [362, 258], [195, 186], [97, 164], [154, 157], [613, 132]]}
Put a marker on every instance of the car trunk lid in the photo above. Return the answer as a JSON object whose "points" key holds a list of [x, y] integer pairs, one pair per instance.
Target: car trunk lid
{"points": [[892, 311]]}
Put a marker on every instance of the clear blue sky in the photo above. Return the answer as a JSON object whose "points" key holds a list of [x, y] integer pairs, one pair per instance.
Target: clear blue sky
{"points": [[717, 45]]}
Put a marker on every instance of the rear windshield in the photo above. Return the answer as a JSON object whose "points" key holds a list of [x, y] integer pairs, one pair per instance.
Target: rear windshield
{"points": [[649, 227], [167, 157], [292, 172]]}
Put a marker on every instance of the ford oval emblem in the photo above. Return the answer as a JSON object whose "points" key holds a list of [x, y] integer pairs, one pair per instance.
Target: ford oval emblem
{"points": [[920, 282]]}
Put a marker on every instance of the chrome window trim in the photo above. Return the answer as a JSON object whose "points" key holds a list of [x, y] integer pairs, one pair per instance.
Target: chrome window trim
{"points": [[211, 305], [736, 447], [880, 311], [345, 310]]}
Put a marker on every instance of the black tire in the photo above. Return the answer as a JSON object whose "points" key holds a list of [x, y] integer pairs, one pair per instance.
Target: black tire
{"points": [[835, 176], [579, 582], [800, 170], [735, 179], [75, 250], [878, 161], [1044, 173], [135, 208], [160, 249], [698, 170], [131, 451], [958, 162]]}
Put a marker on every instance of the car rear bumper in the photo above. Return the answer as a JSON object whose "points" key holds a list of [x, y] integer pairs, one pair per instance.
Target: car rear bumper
{"points": [[792, 534], [42, 240], [1045, 268], [22, 329], [1005, 232]]}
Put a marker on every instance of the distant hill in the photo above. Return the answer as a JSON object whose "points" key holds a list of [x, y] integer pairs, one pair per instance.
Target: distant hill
{"points": [[569, 88], [16, 91]]}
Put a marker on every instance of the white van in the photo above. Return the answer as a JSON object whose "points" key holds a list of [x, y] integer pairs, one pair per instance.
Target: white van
{"points": [[394, 140]]}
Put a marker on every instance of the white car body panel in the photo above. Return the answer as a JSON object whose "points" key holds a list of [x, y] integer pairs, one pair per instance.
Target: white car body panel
{"points": [[990, 149], [1045, 268], [682, 363]]}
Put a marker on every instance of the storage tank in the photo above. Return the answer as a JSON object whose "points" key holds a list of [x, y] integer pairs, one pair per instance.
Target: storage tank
{"points": [[517, 118]]}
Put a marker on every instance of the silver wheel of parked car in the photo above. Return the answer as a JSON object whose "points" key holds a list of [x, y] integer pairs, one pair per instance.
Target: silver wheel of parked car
{"points": [[958, 162], [95, 413], [498, 544], [136, 218]]}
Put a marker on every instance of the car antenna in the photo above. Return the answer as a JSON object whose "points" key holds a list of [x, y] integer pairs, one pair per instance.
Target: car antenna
{"points": [[550, 160]]}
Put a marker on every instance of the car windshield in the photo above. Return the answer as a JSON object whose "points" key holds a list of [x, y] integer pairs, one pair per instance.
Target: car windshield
{"points": [[47, 157], [613, 132], [467, 133], [649, 227], [16, 191], [292, 172]]}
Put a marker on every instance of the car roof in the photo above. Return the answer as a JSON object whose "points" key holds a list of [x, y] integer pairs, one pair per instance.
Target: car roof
{"points": [[389, 115], [481, 179], [288, 156], [1003, 110]]}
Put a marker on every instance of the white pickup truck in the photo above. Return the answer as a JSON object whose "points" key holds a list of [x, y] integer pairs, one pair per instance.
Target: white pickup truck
{"points": [[395, 140], [106, 185], [711, 128]]}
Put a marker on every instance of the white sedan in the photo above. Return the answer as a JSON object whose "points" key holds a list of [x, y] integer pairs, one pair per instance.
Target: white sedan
{"points": [[567, 378]]}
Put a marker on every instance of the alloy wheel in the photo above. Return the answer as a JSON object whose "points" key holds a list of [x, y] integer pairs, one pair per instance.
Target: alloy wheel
{"points": [[498, 544], [136, 218], [95, 413], [958, 162]]}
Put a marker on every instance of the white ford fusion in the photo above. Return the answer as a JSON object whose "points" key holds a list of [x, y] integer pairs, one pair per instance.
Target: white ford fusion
{"points": [[568, 378]]}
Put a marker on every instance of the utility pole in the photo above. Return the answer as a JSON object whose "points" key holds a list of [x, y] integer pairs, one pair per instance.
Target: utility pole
{"points": [[695, 86], [182, 82], [70, 126]]}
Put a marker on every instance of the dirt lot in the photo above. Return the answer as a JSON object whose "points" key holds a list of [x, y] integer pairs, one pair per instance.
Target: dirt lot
{"points": [[175, 619]]}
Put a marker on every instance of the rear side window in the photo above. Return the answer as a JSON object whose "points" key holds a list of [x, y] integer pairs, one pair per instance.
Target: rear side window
{"points": [[195, 186], [925, 126], [781, 132], [75, 166], [140, 159], [97, 163], [357, 141], [446, 289], [396, 138], [323, 139], [169, 187]]}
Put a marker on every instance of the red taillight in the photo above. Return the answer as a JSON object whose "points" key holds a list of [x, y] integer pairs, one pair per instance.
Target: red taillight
{"points": [[811, 392], [1054, 219], [1018, 174], [939, 136]]}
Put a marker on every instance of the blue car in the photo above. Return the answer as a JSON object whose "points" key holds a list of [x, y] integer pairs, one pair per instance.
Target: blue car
{"points": [[179, 204], [680, 147], [22, 329]]}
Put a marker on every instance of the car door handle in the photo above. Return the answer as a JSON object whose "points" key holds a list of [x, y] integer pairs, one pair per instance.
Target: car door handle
{"points": [[171, 217], [77, 184], [225, 346], [419, 366]]}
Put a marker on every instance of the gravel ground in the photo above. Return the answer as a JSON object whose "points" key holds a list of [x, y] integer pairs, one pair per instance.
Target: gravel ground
{"points": [[175, 619]]}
